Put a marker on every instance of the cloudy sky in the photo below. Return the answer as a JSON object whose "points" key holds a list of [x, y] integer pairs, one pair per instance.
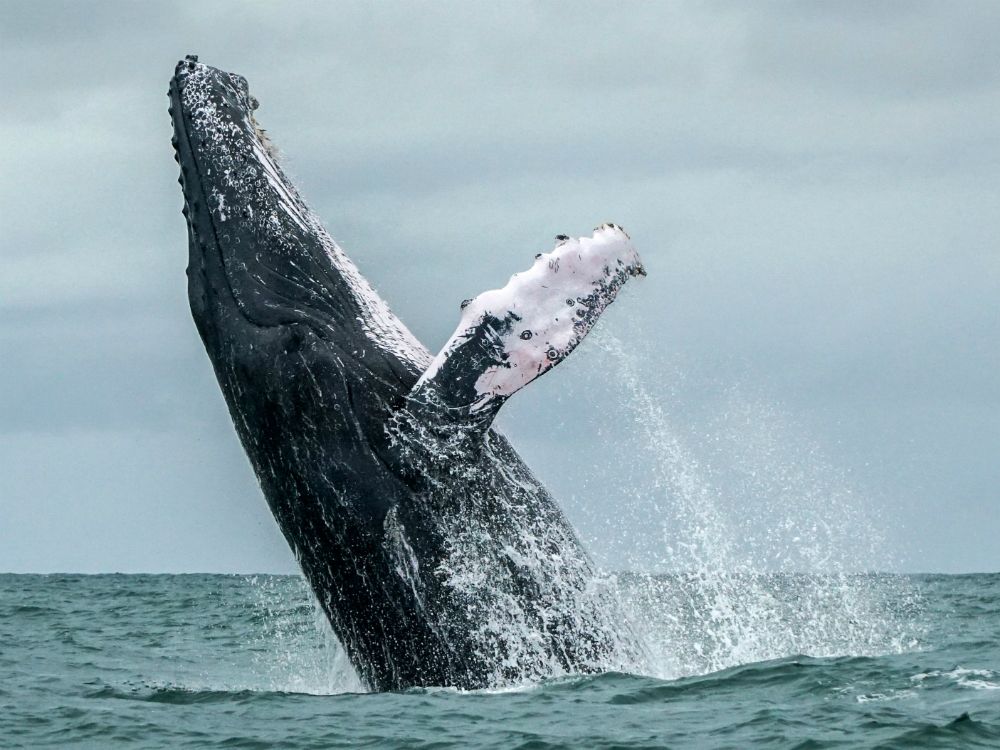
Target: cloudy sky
{"points": [[813, 189]]}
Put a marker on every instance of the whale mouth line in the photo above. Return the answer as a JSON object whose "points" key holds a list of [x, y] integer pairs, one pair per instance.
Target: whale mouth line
{"points": [[205, 238], [180, 115], [181, 130], [192, 149]]}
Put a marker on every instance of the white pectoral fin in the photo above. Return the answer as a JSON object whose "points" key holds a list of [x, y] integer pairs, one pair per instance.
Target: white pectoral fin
{"points": [[508, 337]]}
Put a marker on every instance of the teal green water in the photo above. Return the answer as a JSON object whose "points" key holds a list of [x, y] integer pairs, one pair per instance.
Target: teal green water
{"points": [[228, 661]]}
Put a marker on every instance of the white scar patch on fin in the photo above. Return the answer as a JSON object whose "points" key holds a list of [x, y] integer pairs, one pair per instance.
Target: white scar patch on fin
{"points": [[514, 334]]}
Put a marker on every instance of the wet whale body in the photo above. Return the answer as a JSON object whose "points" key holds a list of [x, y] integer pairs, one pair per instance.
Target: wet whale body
{"points": [[437, 556]]}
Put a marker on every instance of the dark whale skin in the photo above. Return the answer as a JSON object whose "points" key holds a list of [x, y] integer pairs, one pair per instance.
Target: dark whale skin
{"points": [[437, 556]]}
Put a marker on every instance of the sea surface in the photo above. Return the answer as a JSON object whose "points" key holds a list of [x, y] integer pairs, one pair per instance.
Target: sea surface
{"points": [[779, 661]]}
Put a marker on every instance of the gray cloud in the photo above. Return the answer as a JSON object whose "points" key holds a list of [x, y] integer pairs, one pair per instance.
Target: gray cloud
{"points": [[812, 187]]}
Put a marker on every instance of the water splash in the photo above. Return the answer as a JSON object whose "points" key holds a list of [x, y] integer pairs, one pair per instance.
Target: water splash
{"points": [[771, 566], [294, 649], [517, 593]]}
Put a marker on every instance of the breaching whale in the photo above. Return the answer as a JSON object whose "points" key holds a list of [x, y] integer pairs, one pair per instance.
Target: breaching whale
{"points": [[437, 556]]}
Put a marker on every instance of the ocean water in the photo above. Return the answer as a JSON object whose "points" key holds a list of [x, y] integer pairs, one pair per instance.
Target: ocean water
{"points": [[782, 661]]}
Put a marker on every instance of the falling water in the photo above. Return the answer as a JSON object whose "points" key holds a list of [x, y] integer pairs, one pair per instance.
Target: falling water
{"points": [[776, 564], [293, 646]]}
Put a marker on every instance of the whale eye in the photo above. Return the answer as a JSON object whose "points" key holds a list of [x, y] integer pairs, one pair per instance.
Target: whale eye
{"points": [[465, 303], [525, 335]]}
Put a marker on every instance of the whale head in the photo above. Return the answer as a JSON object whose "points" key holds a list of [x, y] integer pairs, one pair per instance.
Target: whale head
{"points": [[260, 261]]}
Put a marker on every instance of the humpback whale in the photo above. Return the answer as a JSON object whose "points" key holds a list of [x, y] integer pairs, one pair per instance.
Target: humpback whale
{"points": [[435, 553]]}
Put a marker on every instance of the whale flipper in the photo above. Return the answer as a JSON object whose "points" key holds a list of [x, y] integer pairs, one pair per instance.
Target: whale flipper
{"points": [[508, 337]]}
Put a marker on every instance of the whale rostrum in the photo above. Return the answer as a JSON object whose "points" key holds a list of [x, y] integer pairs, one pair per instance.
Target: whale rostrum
{"points": [[436, 555]]}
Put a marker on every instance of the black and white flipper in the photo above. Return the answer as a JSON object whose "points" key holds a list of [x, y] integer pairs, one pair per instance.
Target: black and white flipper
{"points": [[508, 337]]}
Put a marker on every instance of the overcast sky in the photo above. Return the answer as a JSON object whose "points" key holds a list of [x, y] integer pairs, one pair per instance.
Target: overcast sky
{"points": [[813, 188]]}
